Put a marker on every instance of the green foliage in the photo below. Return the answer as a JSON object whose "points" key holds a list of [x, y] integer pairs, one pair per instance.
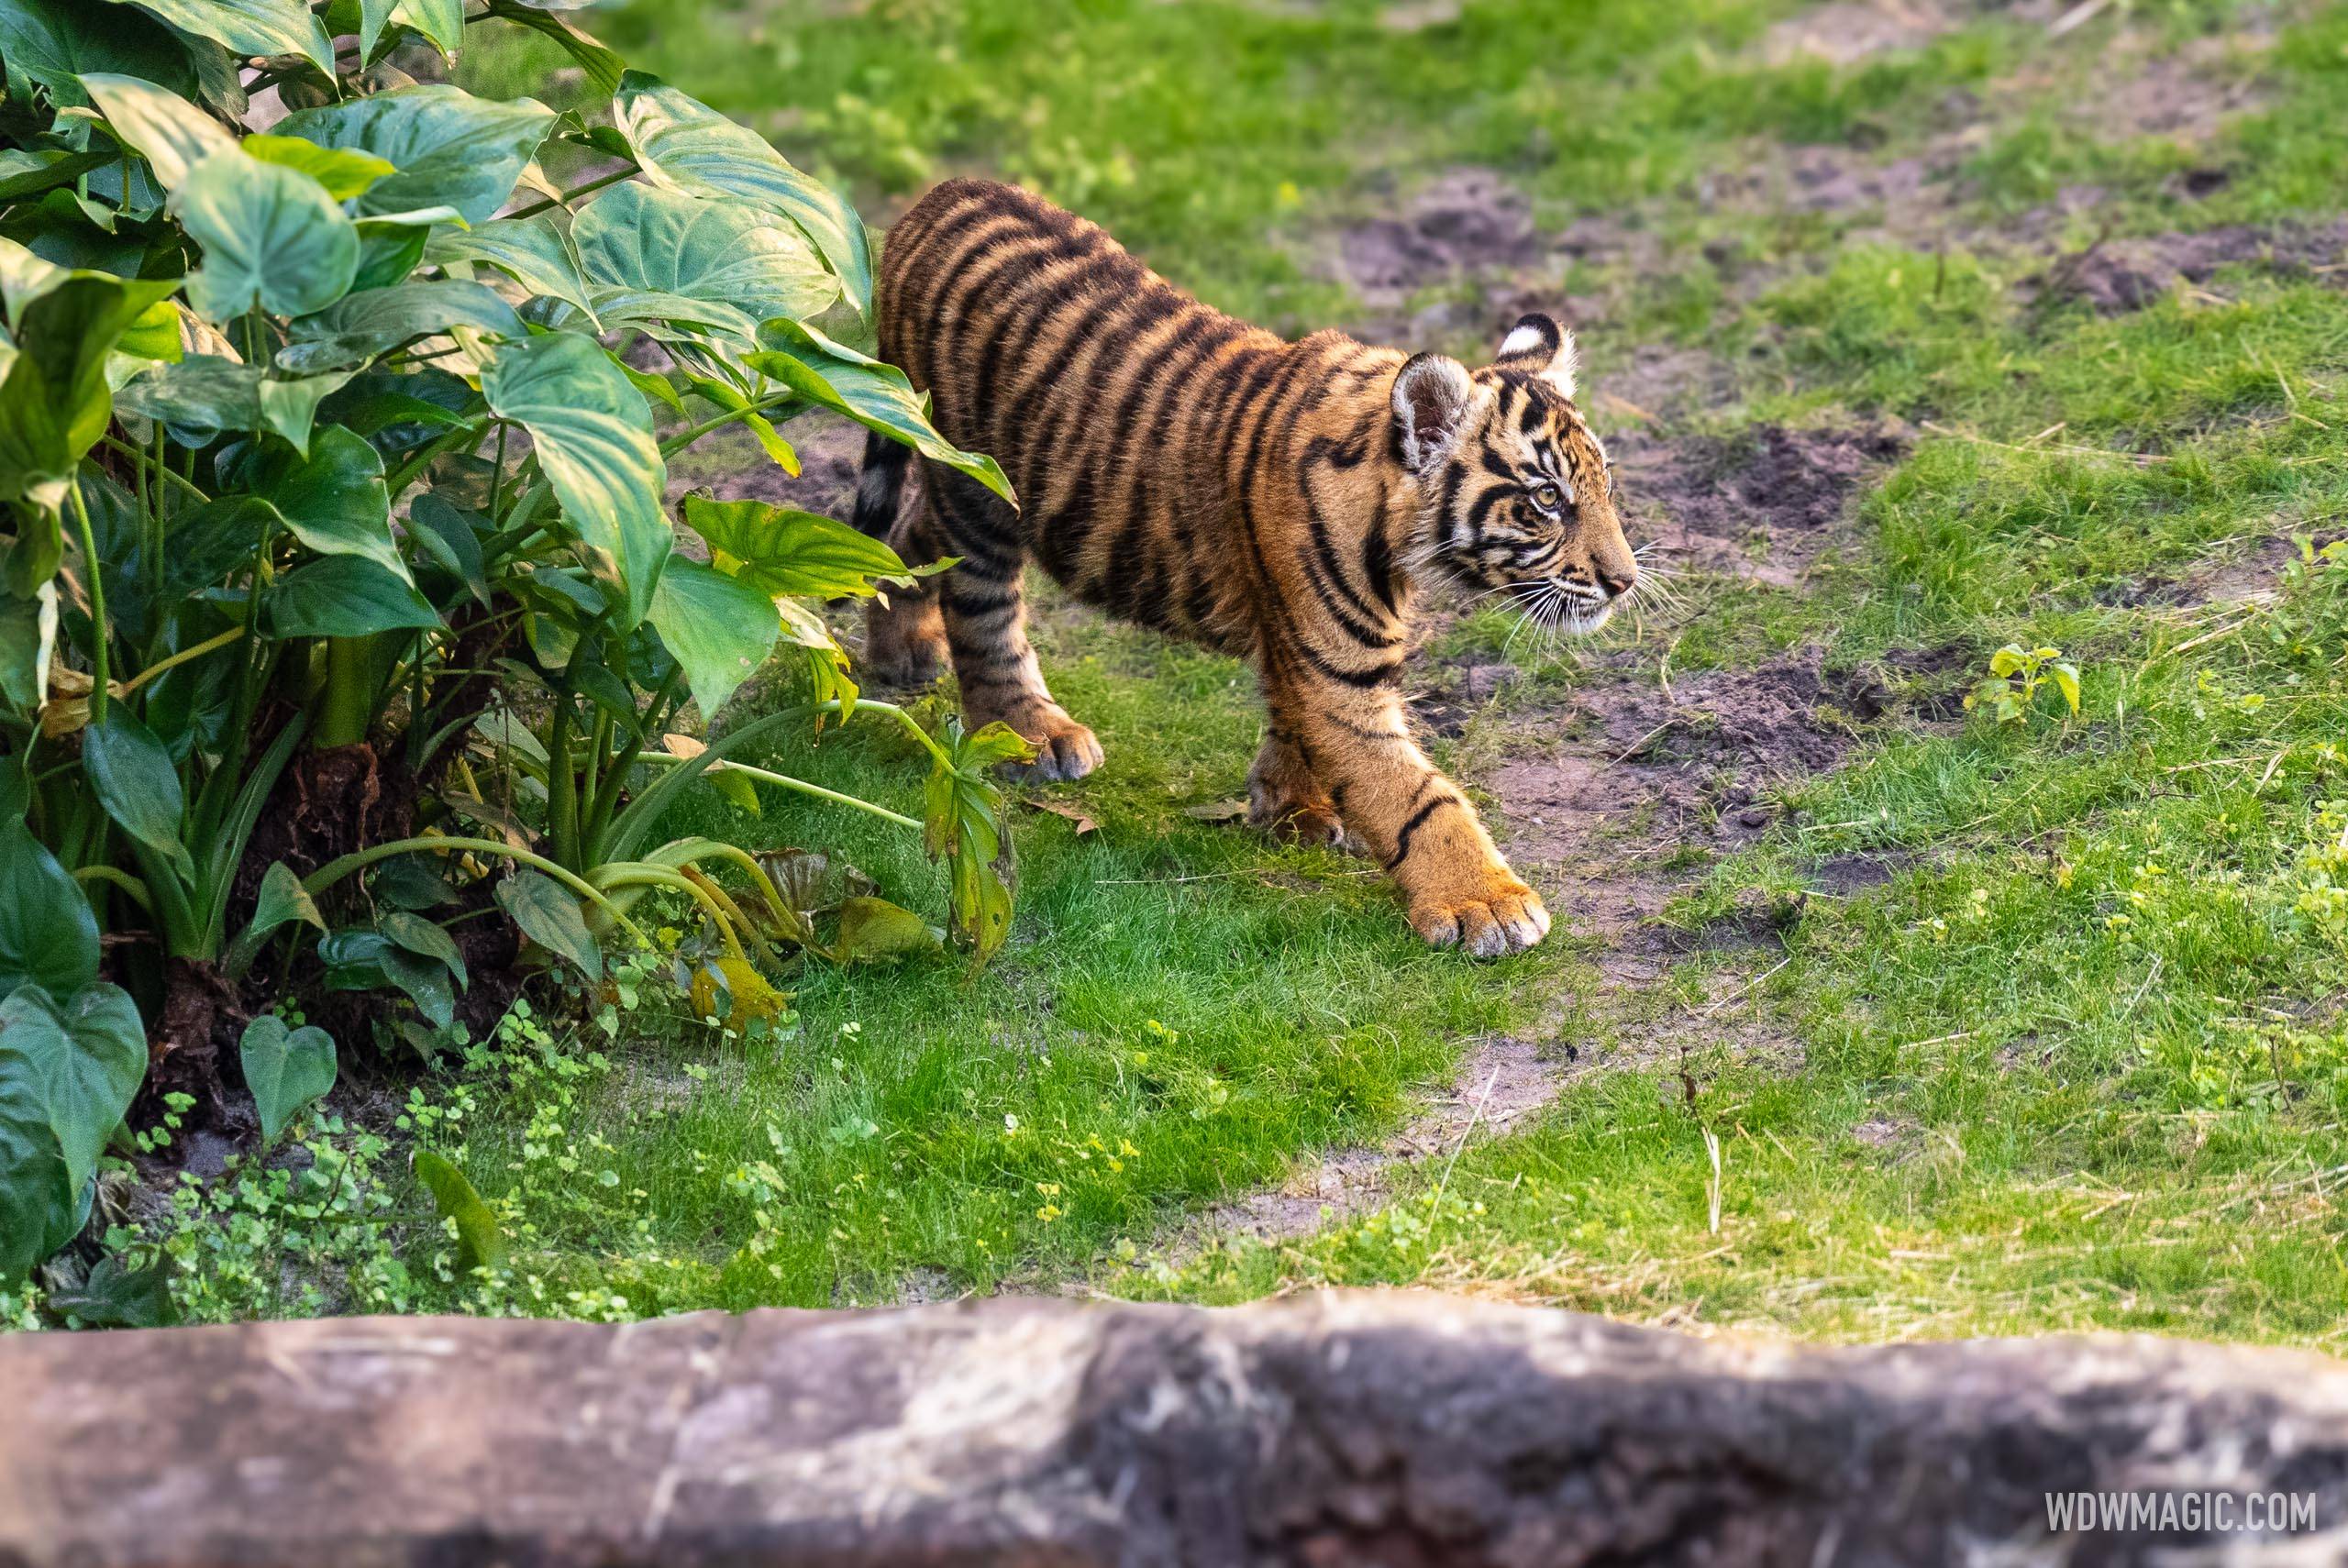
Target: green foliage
{"points": [[287, 1070], [2010, 691], [231, 359]]}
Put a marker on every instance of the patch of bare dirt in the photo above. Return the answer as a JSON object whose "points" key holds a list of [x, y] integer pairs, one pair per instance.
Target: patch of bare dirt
{"points": [[1767, 503], [1844, 32], [731, 465], [2122, 275]]}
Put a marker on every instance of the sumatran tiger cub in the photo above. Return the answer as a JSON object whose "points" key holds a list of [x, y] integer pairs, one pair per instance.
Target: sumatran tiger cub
{"points": [[1275, 500]]}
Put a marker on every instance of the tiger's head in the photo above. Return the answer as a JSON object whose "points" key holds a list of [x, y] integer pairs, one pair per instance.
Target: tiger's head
{"points": [[1515, 494]]}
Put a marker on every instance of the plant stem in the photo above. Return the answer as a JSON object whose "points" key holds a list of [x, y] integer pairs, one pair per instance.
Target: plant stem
{"points": [[98, 671], [784, 781], [691, 434], [570, 196], [334, 871], [198, 651]]}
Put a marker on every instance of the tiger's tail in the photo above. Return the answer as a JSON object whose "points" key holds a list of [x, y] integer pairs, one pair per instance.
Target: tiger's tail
{"points": [[883, 482]]}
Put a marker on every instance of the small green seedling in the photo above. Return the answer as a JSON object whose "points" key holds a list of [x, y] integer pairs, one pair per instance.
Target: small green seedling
{"points": [[2010, 688]]}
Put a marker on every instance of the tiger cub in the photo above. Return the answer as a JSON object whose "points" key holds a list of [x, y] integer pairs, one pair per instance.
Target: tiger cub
{"points": [[1275, 500]]}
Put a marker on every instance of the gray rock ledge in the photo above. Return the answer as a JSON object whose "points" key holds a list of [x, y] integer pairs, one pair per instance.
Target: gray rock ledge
{"points": [[1351, 1428]]}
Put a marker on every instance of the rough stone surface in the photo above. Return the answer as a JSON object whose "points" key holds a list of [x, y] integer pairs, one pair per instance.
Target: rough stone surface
{"points": [[1355, 1428]]}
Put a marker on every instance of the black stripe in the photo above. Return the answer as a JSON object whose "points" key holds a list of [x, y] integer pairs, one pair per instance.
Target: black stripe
{"points": [[1410, 828]]}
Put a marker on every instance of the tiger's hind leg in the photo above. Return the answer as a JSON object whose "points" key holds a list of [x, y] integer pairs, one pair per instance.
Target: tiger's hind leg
{"points": [[985, 604], [1285, 799]]}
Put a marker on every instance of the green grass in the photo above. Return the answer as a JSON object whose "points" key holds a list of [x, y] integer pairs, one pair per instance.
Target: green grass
{"points": [[2080, 1062]]}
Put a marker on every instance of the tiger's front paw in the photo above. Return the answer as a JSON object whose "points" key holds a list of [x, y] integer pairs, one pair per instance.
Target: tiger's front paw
{"points": [[1065, 750], [1503, 916]]}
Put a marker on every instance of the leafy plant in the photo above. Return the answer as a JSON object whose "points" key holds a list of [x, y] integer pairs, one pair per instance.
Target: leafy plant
{"points": [[334, 464], [2016, 673]]}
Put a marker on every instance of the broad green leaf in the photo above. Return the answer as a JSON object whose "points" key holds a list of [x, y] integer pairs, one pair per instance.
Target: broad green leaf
{"points": [[346, 596], [251, 27], [688, 318], [640, 236], [441, 21], [24, 175], [2065, 677], [201, 395], [48, 936], [40, 1210], [451, 148], [602, 68], [113, 1297], [687, 145], [172, 135], [783, 552], [27, 643], [423, 939], [875, 928], [336, 503], [54, 399], [447, 533], [361, 326], [532, 252], [134, 780], [480, 1244], [875, 395], [85, 1056], [56, 42], [289, 404], [366, 960], [271, 238], [760, 427], [287, 1069], [345, 174], [543, 910], [719, 628], [283, 901], [594, 436]]}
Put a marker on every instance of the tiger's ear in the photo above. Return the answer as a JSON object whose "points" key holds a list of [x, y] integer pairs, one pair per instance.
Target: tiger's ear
{"points": [[1432, 396], [1539, 346]]}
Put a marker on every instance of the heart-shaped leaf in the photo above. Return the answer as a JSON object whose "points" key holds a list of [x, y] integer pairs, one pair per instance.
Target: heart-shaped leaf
{"points": [[335, 501], [718, 628], [57, 42], [171, 134], [48, 936], [343, 171], [272, 239], [372, 322], [85, 1056], [532, 252], [785, 553], [689, 146], [548, 915], [875, 395], [346, 596], [592, 431], [251, 27], [730, 253], [133, 779], [287, 1069], [450, 148]]}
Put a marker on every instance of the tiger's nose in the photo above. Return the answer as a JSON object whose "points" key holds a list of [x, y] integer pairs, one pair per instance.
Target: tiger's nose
{"points": [[1617, 583]]}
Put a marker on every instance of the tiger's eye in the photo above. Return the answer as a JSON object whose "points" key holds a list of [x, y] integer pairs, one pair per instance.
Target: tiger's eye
{"points": [[1545, 497]]}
